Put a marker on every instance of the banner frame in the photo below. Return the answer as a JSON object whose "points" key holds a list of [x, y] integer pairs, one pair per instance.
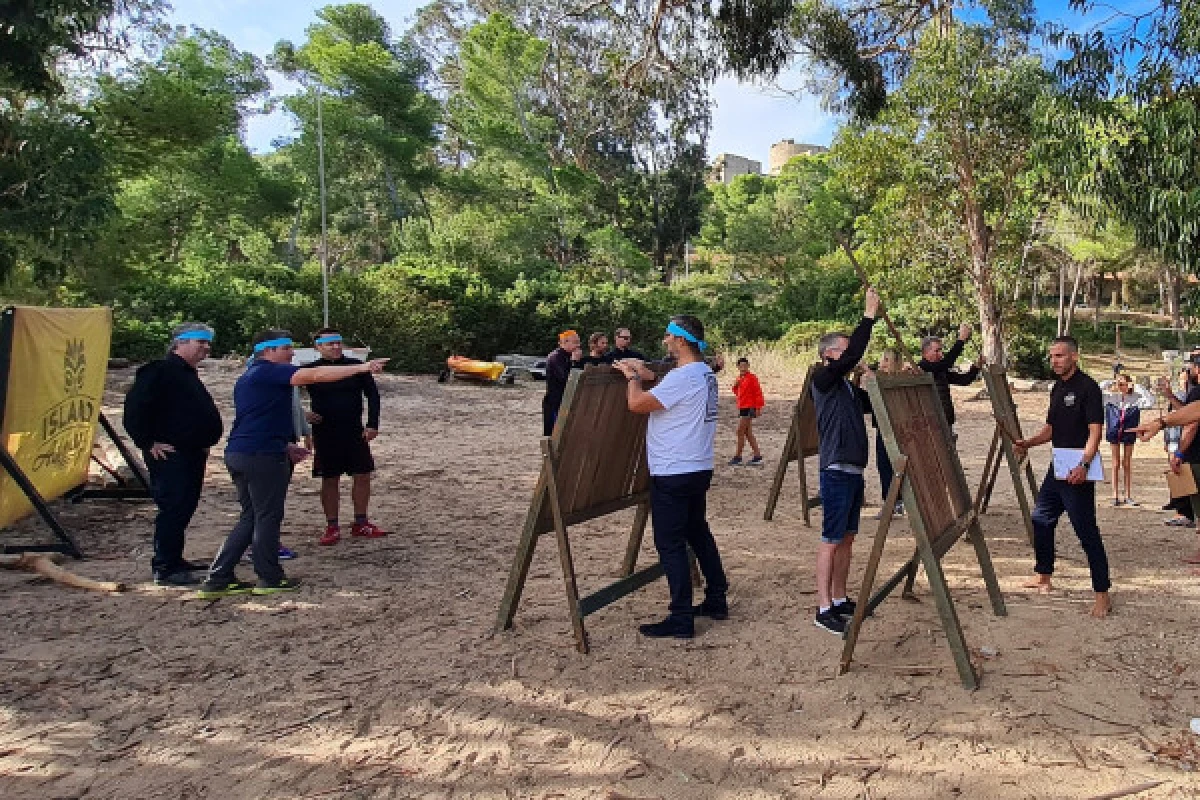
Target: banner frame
{"points": [[66, 543]]}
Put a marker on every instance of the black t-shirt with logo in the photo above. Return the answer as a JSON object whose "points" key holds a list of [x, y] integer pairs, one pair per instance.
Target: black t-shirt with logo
{"points": [[1074, 404], [1192, 454]]}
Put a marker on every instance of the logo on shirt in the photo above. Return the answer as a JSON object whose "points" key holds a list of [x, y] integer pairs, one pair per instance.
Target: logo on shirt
{"points": [[1069, 399], [710, 408]]}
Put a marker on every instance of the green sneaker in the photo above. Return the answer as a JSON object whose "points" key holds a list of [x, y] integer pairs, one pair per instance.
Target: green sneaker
{"points": [[212, 590], [284, 585]]}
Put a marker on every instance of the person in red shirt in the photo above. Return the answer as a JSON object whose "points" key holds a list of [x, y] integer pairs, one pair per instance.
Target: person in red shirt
{"points": [[750, 403]]}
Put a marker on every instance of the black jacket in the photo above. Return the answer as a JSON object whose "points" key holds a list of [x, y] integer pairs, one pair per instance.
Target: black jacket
{"points": [[170, 404], [944, 374], [558, 371], [841, 405], [619, 353], [340, 403]]}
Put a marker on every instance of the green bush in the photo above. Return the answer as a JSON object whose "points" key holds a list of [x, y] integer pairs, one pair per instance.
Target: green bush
{"points": [[1027, 356]]}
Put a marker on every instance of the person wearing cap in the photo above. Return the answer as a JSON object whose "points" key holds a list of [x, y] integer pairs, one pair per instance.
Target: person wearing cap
{"points": [[680, 433], [341, 445], [173, 420], [566, 356], [257, 456]]}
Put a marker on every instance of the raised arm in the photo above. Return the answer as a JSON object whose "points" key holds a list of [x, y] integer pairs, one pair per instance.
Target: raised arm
{"points": [[303, 377]]}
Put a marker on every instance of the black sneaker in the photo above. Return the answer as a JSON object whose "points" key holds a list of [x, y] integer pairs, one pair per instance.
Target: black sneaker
{"points": [[756, 461], [711, 610], [194, 566], [669, 627], [829, 621], [284, 585], [845, 609], [211, 589], [736, 461], [180, 577]]}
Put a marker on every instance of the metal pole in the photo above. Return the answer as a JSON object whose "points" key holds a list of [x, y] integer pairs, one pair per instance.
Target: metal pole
{"points": [[687, 258], [324, 235]]}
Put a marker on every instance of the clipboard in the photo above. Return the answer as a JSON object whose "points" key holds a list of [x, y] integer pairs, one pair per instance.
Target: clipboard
{"points": [[1068, 458], [1183, 484]]}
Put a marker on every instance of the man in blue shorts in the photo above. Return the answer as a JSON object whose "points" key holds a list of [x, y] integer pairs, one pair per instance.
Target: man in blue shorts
{"points": [[840, 408]]}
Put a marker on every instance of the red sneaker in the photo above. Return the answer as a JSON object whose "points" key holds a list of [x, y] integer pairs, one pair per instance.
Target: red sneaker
{"points": [[332, 535], [367, 530]]}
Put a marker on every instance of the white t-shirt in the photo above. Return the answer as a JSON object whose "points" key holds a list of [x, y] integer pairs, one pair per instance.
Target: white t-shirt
{"points": [[679, 438]]}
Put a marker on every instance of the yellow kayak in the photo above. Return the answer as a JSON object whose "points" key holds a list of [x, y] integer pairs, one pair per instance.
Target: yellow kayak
{"points": [[464, 367]]}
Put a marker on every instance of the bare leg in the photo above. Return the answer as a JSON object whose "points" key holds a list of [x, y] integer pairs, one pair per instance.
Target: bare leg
{"points": [[360, 493], [841, 566], [750, 437], [741, 436], [1116, 471], [1128, 468], [1102, 606], [1039, 582], [330, 489], [826, 553]]}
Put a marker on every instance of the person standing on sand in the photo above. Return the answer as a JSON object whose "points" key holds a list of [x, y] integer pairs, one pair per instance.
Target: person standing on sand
{"points": [[750, 402], [257, 455], [680, 434], [566, 356], [172, 418], [1075, 421], [840, 407]]}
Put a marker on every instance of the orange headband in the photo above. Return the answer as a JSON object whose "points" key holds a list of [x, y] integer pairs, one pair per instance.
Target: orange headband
{"points": [[562, 337]]}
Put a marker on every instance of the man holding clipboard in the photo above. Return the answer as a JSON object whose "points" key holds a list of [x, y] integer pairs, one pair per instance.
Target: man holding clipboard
{"points": [[1075, 428]]}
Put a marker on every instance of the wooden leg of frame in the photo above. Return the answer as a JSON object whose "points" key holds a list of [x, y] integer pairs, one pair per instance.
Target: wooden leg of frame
{"points": [[885, 521], [564, 551], [635, 540]]}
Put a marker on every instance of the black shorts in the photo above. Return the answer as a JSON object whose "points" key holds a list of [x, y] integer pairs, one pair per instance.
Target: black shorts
{"points": [[340, 452], [748, 412]]}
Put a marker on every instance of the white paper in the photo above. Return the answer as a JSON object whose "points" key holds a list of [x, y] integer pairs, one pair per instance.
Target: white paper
{"points": [[1068, 458]]}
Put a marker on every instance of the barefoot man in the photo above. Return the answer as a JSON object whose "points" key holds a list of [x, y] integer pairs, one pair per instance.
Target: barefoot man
{"points": [[1075, 422]]}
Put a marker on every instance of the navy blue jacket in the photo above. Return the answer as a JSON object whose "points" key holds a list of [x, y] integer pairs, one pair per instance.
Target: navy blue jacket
{"points": [[841, 405]]}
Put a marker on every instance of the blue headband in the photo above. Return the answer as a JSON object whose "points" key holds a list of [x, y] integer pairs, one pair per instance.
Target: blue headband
{"points": [[676, 330], [330, 339], [284, 342], [204, 336]]}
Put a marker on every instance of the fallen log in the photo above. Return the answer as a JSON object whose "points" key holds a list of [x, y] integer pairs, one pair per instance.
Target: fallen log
{"points": [[43, 564]]}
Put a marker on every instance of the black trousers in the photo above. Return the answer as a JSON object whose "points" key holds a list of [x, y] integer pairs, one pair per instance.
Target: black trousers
{"points": [[262, 483], [1079, 503], [678, 507], [175, 483]]}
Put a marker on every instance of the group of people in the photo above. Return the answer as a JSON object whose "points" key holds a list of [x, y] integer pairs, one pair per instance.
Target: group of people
{"points": [[173, 419], [681, 430]]}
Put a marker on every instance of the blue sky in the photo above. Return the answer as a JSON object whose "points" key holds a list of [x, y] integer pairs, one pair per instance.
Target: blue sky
{"points": [[747, 118]]}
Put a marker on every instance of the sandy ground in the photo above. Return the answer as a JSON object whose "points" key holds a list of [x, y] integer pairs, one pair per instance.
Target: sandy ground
{"points": [[382, 677]]}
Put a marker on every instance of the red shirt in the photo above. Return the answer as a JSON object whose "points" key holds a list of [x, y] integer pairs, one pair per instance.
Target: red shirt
{"points": [[748, 391]]}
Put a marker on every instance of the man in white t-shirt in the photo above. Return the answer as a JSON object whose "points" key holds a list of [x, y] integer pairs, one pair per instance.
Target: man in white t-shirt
{"points": [[679, 452]]}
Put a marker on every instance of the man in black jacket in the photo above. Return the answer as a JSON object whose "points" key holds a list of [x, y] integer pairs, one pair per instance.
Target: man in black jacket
{"points": [[566, 356], [622, 340], [341, 445], [940, 365], [172, 418], [840, 407]]}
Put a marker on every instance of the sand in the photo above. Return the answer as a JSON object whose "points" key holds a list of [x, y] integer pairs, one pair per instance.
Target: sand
{"points": [[382, 677]]}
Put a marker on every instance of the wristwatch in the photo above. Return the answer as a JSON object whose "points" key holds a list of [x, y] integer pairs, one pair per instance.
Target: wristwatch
{"points": [[634, 377]]}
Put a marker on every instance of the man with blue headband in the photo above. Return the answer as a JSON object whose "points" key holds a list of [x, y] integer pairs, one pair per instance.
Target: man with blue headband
{"points": [[172, 418], [257, 458], [341, 445], [679, 453]]}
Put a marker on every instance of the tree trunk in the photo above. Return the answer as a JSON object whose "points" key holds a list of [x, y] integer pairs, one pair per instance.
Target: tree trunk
{"points": [[1176, 310], [1062, 298], [1071, 301], [1099, 299]]}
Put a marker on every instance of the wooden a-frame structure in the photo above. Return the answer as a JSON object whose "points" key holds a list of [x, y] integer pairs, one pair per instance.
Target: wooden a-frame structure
{"points": [[1008, 430], [940, 509], [594, 464], [803, 442]]}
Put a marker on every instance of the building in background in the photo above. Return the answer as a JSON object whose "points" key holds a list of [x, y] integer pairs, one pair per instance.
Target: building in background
{"points": [[787, 149], [727, 166]]}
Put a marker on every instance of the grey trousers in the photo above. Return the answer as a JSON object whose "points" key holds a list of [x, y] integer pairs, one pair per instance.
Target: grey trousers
{"points": [[262, 483]]}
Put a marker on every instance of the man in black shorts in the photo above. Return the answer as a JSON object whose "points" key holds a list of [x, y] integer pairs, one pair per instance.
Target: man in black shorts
{"points": [[1075, 426], [341, 445]]}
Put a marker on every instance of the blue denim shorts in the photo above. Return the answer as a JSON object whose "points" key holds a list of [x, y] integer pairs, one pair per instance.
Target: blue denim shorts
{"points": [[841, 504]]}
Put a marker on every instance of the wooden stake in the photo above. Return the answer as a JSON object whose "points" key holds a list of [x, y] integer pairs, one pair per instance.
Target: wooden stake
{"points": [[866, 282]]}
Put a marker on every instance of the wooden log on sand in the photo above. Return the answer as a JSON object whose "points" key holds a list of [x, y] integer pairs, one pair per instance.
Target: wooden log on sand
{"points": [[43, 564]]}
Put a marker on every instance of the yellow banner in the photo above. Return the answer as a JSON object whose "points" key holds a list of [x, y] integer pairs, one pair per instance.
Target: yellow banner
{"points": [[56, 368]]}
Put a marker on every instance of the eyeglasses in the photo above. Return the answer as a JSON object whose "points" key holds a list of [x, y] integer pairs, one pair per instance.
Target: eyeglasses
{"points": [[624, 337]]}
